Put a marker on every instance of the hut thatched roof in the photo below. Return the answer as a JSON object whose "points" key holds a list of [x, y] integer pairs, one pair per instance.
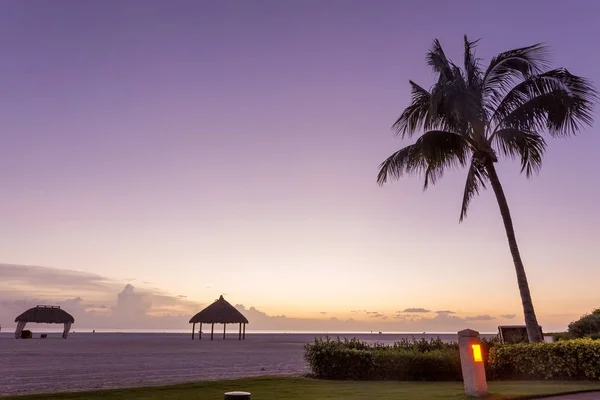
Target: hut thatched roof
{"points": [[46, 315], [219, 312]]}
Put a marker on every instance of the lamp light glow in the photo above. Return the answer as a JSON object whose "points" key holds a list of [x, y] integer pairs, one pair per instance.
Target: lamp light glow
{"points": [[477, 353]]}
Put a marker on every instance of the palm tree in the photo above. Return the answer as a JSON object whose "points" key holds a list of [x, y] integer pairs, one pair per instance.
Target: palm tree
{"points": [[472, 117]]}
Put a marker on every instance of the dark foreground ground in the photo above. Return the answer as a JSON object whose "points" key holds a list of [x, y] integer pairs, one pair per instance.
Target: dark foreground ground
{"points": [[279, 388]]}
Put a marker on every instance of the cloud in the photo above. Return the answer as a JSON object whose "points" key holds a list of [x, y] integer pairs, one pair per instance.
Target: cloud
{"points": [[508, 316], [260, 320], [86, 296], [98, 302], [480, 318], [407, 317], [415, 310], [131, 303], [24, 277]]}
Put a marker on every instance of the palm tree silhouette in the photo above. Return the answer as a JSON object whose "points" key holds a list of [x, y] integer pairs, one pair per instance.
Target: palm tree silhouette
{"points": [[472, 117]]}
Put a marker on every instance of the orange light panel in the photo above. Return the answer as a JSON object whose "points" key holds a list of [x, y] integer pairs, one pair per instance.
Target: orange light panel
{"points": [[477, 353]]}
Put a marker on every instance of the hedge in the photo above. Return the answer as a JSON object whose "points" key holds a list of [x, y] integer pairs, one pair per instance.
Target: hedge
{"points": [[435, 360], [352, 359], [566, 359]]}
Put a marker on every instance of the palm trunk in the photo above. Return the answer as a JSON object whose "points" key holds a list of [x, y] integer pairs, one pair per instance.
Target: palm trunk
{"points": [[533, 330]]}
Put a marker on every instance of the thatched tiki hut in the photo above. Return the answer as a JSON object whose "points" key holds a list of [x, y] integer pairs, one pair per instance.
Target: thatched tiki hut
{"points": [[45, 315], [219, 312]]}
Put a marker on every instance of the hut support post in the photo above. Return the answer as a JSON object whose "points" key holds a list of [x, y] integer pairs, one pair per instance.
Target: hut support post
{"points": [[212, 330], [193, 330], [244, 333], [66, 330], [200, 333], [240, 336], [20, 327], [224, 327]]}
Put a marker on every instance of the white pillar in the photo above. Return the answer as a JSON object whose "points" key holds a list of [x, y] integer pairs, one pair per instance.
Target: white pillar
{"points": [[472, 363], [20, 327], [67, 329]]}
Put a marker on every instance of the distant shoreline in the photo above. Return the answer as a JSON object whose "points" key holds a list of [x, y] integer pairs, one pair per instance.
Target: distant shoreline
{"points": [[52, 329]]}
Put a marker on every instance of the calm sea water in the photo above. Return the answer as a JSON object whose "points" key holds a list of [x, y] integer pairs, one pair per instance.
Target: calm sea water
{"points": [[276, 336]]}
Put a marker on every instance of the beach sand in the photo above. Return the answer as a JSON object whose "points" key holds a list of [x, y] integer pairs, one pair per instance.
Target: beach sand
{"points": [[101, 361], [88, 361]]}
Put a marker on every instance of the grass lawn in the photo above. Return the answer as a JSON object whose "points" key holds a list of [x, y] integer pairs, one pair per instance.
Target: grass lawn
{"points": [[308, 389]]}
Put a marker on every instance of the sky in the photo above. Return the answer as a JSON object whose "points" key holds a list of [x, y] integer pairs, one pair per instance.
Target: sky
{"points": [[158, 154]]}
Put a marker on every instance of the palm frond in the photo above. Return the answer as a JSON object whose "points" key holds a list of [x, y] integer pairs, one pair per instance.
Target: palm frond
{"points": [[455, 104], [432, 153], [486, 113], [529, 146], [406, 160], [555, 100], [476, 178], [437, 60], [417, 115], [471, 64], [513, 64]]}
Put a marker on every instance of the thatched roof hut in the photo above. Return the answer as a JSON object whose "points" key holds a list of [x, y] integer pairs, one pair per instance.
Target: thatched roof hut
{"points": [[45, 315], [219, 312]]}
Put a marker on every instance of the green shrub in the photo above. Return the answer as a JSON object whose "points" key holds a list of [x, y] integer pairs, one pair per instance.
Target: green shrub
{"points": [[565, 359], [411, 365], [336, 359], [404, 360], [423, 345], [588, 324], [556, 336]]}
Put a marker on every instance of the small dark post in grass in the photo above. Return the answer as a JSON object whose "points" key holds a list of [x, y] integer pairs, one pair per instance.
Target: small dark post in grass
{"points": [[200, 333], [237, 396], [240, 335], [212, 330], [224, 327], [193, 330]]}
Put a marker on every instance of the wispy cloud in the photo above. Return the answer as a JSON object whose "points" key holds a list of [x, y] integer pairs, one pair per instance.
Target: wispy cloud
{"points": [[415, 310], [480, 318], [508, 316], [28, 276], [407, 317]]}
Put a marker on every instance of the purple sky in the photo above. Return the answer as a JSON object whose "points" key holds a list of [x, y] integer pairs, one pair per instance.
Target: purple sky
{"points": [[232, 147]]}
